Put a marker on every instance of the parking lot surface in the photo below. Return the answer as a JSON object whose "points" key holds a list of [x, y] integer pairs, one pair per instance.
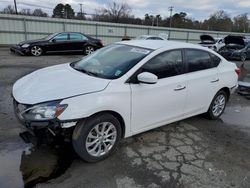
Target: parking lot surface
{"points": [[195, 152]]}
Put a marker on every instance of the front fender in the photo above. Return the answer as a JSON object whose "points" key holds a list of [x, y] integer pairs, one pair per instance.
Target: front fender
{"points": [[84, 106]]}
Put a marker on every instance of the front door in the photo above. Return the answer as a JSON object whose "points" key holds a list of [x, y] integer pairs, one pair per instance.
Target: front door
{"points": [[155, 104], [59, 43]]}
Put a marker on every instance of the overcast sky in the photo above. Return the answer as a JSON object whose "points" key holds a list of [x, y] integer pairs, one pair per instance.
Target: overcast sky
{"points": [[197, 9]]}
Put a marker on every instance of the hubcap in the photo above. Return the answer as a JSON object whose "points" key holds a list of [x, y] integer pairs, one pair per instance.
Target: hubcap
{"points": [[89, 50], [101, 139], [219, 105], [36, 50]]}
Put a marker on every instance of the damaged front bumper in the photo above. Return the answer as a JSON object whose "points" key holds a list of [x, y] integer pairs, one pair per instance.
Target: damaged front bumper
{"points": [[45, 130], [19, 50]]}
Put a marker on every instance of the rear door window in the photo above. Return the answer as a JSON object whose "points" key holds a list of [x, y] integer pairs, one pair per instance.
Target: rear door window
{"points": [[215, 60], [77, 36], [198, 60]]}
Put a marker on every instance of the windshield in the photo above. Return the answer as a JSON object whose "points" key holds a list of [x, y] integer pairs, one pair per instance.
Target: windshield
{"points": [[111, 62], [50, 36]]}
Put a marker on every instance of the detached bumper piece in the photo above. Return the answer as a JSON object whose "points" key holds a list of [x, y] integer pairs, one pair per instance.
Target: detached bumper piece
{"points": [[28, 137], [19, 50], [244, 89]]}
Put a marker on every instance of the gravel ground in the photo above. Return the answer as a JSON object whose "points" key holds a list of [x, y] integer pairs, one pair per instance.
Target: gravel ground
{"points": [[195, 152]]}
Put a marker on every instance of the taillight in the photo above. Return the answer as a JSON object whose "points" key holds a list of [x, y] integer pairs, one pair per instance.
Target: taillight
{"points": [[237, 71]]}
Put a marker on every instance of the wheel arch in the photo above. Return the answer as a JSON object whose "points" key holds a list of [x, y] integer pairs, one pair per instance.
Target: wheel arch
{"points": [[116, 115], [227, 91]]}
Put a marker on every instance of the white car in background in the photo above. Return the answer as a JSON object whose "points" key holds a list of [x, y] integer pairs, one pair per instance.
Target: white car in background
{"points": [[161, 36], [121, 90], [213, 43]]}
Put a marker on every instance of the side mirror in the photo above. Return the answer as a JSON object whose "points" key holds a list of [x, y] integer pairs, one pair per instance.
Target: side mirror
{"points": [[53, 40], [147, 78]]}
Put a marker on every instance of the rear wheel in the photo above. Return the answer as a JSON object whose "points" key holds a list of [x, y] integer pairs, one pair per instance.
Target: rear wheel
{"points": [[97, 137], [217, 106], [89, 50], [36, 51]]}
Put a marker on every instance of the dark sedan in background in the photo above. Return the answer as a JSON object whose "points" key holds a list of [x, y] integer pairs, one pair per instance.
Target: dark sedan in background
{"points": [[237, 47], [58, 42]]}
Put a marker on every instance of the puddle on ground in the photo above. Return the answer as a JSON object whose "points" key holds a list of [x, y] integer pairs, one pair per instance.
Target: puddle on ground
{"points": [[29, 165], [237, 115]]}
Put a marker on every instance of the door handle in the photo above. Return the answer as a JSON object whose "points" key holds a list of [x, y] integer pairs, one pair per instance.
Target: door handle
{"points": [[179, 87], [215, 80]]}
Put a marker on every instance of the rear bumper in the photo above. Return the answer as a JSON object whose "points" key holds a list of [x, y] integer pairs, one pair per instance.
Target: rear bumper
{"points": [[19, 50]]}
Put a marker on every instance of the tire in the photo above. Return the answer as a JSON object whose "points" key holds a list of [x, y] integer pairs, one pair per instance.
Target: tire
{"points": [[89, 50], [89, 140], [243, 57], [36, 51], [219, 103]]}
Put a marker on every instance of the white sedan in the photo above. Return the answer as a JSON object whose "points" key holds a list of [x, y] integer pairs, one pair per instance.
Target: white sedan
{"points": [[121, 90], [161, 36]]}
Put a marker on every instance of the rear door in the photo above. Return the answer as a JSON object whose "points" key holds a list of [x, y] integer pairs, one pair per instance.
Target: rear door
{"points": [[77, 41], [202, 80], [154, 104]]}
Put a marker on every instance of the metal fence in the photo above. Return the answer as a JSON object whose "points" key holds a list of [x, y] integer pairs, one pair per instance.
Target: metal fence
{"points": [[17, 28]]}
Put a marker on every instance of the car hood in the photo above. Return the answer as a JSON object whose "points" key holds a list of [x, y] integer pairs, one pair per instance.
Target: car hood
{"points": [[230, 39], [32, 41], [207, 38], [54, 83]]}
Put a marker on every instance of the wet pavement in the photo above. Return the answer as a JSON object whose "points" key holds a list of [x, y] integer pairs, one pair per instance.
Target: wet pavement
{"points": [[195, 152]]}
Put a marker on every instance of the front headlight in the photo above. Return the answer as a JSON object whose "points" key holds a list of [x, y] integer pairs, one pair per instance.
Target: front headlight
{"points": [[25, 45], [45, 111]]}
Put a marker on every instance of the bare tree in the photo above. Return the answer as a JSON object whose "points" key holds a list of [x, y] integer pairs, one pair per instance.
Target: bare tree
{"points": [[241, 23], [39, 12], [26, 11], [219, 21], [9, 10], [116, 11]]}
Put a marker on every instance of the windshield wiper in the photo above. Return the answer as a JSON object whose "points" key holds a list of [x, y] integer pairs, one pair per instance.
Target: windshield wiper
{"points": [[87, 72]]}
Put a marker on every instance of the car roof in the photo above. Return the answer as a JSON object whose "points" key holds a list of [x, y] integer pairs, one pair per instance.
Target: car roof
{"points": [[148, 36], [157, 44]]}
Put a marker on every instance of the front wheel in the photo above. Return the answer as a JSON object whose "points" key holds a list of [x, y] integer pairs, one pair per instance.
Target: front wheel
{"points": [[217, 105], [36, 51], [96, 138]]}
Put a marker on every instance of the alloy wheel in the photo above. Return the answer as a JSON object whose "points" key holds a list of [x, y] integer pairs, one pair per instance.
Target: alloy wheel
{"points": [[89, 50], [219, 105], [101, 139], [36, 50]]}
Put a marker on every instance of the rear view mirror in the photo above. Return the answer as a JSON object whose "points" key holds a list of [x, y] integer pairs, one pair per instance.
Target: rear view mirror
{"points": [[147, 78]]}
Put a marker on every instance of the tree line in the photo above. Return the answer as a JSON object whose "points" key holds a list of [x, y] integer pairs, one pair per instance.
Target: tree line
{"points": [[122, 13]]}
